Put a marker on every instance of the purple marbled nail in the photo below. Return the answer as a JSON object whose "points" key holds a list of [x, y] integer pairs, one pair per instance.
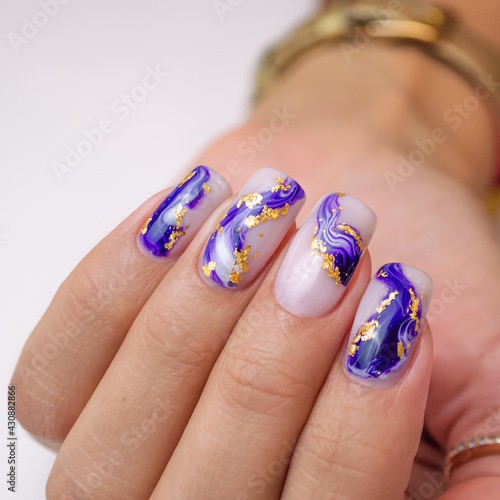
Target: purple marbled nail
{"points": [[388, 321], [251, 230], [323, 256], [180, 215]]}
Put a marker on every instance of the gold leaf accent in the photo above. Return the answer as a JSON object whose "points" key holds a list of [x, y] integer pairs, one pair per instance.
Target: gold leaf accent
{"points": [[284, 210], [174, 236], [235, 277], [269, 214], [206, 188], [340, 194], [179, 212], [261, 234], [207, 270], [255, 255], [242, 259], [251, 221], [333, 270], [366, 332], [188, 176], [250, 200], [349, 230], [317, 244], [382, 273], [414, 309], [387, 301], [281, 186], [353, 349], [145, 227], [401, 350]]}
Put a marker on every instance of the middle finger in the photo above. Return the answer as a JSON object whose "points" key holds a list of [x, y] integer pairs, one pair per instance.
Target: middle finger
{"points": [[121, 442]]}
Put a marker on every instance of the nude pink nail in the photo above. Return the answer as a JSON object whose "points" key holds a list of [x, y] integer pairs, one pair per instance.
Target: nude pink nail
{"points": [[323, 255]]}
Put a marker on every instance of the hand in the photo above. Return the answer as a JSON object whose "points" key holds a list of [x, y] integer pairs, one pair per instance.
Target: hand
{"points": [[437, 225]]}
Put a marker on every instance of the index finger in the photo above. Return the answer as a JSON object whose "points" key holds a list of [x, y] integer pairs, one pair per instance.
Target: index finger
{"points": [[78, 336]]}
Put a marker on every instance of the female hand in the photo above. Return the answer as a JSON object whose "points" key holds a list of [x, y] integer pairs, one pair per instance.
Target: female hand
{"points": [[436, 226]]}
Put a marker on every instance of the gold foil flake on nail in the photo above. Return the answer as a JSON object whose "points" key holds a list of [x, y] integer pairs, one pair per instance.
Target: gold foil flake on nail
{"points": [[207, 270], [340, 194], [174, 236], [382, 273], [179, 212], [269, 214], [284, 210], [238, 230], [189, 176], [251, 221], [144, 229], [235, 277], [261, 234], [250, 200], [206, 188], [401, 350], [414, 309], [387, 301], [349, 230], [353, 349], [331, 268], [281, 186], [317, 244], [255, 255], [242, 259], [366, 332]]}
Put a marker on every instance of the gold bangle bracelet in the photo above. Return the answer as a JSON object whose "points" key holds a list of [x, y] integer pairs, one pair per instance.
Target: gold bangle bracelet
{"points": [[437, 32]]}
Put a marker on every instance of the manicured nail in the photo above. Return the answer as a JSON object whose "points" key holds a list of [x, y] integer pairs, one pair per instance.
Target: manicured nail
{"points": [[387, 323], [323, 255], [252, 229], [180, 215]]}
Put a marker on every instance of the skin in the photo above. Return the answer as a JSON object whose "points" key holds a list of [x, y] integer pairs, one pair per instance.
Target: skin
{"points": [[352, 122]]}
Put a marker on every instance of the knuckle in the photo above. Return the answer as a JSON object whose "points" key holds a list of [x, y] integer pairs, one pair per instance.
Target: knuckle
{"points": [[252, 381], [40, 408]]}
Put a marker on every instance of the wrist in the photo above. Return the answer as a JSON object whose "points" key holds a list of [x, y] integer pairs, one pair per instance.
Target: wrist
{"points": [[399, 96]]}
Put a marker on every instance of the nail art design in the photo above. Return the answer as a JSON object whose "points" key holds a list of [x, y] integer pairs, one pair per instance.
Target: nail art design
{"points": [[180, 215], [388, 321], [324, 254], [251, 229]]}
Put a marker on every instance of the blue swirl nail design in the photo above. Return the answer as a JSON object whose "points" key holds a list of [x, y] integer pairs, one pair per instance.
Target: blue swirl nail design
{"points": [[339, 244], [165, 227], [382, 344], [226, 256]]}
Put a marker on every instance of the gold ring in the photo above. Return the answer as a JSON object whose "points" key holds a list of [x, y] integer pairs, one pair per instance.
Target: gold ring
{"points": [[466, 451]]}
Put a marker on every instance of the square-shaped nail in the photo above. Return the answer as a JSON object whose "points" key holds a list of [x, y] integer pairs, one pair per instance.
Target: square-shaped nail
{"points": [[323, 255], [387, 323], [251, 230], [180, 215]]}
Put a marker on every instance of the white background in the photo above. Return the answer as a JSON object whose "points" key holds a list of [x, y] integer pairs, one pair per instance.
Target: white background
{"points": [[65, 79]]}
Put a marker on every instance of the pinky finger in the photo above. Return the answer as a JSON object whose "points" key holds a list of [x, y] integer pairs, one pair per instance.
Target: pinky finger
{"points": [[363, 433]]}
